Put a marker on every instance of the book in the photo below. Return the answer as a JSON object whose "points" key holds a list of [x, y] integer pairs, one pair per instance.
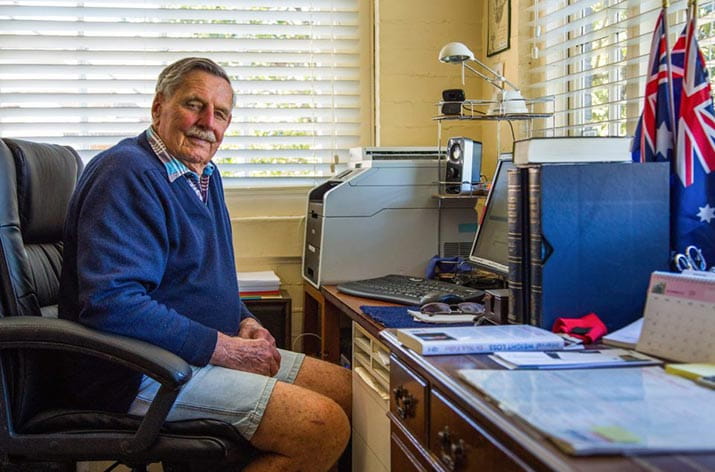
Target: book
{"points": [[626, 337], [478, 339], [516, 244], [260, 297], [679, 318], [260, 293], [572, 149], [533, 256], [691, 371], [596, 232], [586, 358]]}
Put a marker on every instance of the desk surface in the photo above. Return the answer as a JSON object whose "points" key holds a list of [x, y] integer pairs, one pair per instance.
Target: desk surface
{"points": [[523, 441]]}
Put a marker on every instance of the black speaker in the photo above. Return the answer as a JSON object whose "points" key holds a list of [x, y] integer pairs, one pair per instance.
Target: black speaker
{"points": [[464, 165], [452, 101]]}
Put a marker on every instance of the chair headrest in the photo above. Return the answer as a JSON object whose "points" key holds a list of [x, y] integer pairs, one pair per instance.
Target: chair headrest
{"points": [[46, 177]]}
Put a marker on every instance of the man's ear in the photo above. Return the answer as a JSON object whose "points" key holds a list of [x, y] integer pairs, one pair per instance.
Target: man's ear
{"points": [[156, 108]]}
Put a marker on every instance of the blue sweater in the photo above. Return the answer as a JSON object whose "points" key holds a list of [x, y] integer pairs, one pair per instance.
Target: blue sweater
{"points": [[145, 258]]}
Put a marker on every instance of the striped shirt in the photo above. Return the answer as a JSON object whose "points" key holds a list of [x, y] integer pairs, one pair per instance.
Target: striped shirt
{"points": [[175, 168]]}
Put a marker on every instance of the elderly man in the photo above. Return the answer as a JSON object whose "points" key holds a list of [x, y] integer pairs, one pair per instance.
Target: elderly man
{"points": [[148, 254]]}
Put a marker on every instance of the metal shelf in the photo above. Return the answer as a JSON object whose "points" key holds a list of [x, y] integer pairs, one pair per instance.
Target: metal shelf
{"points": [[496, 110], [476, 194], [503, 116]]}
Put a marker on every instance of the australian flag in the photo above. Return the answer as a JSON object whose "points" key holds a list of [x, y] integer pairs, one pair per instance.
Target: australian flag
{"points": [[654, 139], [692, 178]]}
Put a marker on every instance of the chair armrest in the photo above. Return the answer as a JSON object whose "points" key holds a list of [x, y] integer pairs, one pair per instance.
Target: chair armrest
{"points": [[57, 334], [35, 332]]}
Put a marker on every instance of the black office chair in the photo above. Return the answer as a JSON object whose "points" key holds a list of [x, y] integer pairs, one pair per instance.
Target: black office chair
{"points": [[36, 182]]}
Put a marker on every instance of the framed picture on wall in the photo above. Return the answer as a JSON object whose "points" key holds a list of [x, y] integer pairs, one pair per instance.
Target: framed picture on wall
{"points": [[499, 26]]}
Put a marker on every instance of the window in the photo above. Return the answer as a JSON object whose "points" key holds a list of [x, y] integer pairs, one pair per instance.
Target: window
{"points": [[592, 56], [83, 73]]}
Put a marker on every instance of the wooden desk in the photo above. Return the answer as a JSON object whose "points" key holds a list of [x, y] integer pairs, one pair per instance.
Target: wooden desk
{"points": [[438, 422], [322, 310]]}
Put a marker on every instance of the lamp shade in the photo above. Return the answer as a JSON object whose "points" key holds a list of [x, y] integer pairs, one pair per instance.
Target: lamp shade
{"points": [[455, 53]]}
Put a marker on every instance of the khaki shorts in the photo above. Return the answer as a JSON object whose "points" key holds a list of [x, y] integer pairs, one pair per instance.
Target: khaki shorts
{"points": [[233, 396]]}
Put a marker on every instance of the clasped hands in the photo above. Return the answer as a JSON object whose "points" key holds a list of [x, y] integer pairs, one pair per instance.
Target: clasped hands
{"points": [[252, 350]]}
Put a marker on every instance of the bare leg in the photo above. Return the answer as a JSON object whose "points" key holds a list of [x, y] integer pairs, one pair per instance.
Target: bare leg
{"points": [[300, 431], [330, 379], [305, 426]]}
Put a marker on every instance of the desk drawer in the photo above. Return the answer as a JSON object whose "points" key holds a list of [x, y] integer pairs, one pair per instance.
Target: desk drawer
{"points": [[408, 399], [460, 445]]}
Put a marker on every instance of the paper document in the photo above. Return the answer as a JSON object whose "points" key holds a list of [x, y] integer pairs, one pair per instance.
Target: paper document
{"points": [[626, 337], [265, 280], [573, 359], [604, 411], [443, 318]]}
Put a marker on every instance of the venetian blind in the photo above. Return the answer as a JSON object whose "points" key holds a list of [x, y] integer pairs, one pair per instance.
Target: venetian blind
{"points": [[592, 56], [82, 73]]}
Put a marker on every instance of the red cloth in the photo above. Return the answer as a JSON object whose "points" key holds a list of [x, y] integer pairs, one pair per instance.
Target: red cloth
{"points": [[588, 328]]}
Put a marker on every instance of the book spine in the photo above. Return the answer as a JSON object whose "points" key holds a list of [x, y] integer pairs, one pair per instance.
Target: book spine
{"points": [[516, 251], [536, 262], [521, 152], [452, 347]]}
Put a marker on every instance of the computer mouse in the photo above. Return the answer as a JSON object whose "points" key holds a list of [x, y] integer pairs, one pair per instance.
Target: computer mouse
{"points": [[448, 298]]}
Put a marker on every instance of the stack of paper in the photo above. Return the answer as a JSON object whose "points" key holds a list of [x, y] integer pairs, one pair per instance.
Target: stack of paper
{"points": [[626, 337], [263, 284]]}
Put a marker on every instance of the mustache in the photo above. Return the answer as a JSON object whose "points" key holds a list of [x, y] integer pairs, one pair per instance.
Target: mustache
{"points": [[196, 132]]}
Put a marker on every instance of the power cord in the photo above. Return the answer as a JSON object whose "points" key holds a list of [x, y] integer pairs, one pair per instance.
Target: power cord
{"points": [[300, 336]]}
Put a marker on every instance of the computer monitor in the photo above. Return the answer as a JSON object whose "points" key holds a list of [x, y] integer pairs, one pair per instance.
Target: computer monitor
{"points": [[490, 248]]}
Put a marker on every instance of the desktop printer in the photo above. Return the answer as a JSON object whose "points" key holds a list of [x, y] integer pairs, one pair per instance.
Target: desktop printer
{"points": [[383, 216]]}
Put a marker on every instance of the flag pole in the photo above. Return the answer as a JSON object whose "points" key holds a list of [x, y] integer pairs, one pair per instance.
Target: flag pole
{"points": [[669, 74]]}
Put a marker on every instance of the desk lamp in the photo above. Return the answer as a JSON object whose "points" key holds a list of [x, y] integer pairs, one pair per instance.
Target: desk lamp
{"points": [[458, 53]]}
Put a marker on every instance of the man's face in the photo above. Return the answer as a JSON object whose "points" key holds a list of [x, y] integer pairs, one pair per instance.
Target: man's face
{"points": [[193, 120]]}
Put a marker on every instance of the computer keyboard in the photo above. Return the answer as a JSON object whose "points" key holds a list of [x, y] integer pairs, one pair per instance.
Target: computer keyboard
{"points": [[410, 290]]}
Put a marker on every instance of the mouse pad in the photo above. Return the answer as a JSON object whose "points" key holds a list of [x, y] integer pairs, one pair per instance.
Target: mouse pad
{"points": [[397, 317]]}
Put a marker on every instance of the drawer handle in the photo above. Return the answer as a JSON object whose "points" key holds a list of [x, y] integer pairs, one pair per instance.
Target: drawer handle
{"points": [[453, 449], [405, 402]]}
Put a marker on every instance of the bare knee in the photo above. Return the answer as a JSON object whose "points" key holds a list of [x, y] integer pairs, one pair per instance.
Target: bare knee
{"points": [[300, 430], [329, 379], [328, 428]]}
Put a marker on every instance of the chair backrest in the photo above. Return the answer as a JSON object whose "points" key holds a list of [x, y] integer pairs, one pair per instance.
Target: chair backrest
{"points": [[36, 184]]}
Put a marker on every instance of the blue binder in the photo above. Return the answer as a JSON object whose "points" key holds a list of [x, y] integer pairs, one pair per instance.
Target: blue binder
{"points": [[596, 233]]}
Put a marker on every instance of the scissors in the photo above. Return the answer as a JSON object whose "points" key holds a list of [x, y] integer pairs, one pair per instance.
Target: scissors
{"points": [[690, 259]]}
